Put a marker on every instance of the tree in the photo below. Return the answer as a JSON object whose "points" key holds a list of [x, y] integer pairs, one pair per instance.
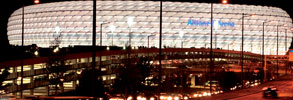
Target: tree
{"points": [[56, 68], [178, 78], [227, 80], [85, 82], [57, 63], [3, 76], [131, 78]]}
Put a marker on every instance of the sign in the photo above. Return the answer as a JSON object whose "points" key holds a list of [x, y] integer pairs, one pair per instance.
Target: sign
{"points": [[192, 22]]}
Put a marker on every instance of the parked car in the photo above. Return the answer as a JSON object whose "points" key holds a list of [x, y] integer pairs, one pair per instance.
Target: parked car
{"points": [[270, 91], [215, 85]]}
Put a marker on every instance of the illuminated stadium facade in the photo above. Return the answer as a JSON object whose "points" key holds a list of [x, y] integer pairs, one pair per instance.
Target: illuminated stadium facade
{"points": [[183, 23]]}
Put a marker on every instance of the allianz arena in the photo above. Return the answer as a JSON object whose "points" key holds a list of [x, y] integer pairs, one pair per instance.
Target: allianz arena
{"points": [[183, 23]]}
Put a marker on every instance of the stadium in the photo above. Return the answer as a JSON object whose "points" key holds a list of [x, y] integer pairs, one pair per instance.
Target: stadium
{"points": [[185, 24]]}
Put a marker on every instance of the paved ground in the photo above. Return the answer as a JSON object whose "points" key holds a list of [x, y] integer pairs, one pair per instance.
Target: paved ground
{"points": [[284, 85]]}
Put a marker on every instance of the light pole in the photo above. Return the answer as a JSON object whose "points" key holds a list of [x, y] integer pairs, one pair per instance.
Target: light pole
{"points": [[286, 65], [149, 40], [58, 36], [263, 47], [251, 47], [149, 43], [285, 39], [160, 50], [181, 34], [211, 49], [112, 28], [211, 44], [242, 43], [94, 49], [22, 52], [263, 56], [130, 22], [101, 33], [277, 51], [101, 43], [22, 48], [278, 48]]}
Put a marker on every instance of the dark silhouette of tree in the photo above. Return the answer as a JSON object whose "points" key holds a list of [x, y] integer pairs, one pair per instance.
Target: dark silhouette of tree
{"points": [[170, 82], [184, 77], [179, 78], [131, 78], [85, 82], [56, 67], [228, 80], [56, 64], [3, 76]]}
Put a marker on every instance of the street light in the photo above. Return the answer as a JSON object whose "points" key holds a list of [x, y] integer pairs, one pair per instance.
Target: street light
{"points": [[278, 48], [181, 34], [285, 40], [242, 43], [277, 51], [149, 43], [160, 50], [225, 1], [94, 48], [58, 35], [22, 48], [36, 1], [112, 28], [57, 29], [56, 49], [149, 40], [130, 22], [263, 55], [263, 47], [101, 42], [251, 46], [211, 43], [36, 53], [101, 32], [22, 53]]}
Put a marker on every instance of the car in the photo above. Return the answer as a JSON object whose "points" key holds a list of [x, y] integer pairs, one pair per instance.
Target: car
{"points": [[270, 91], [215, 84]]}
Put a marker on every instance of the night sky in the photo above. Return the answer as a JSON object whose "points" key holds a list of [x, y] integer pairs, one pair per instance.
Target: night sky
{"points": [[8, 6]]}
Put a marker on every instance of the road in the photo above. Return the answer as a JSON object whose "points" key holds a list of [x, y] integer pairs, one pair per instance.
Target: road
{"points": [[284, 85]]}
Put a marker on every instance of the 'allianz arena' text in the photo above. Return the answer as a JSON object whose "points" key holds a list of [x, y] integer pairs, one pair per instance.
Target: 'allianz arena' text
{"points": [[183, 23]]}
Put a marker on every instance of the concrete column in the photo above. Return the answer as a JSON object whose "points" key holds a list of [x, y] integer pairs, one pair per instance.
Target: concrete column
{"points": [[15, 80], [78, 60], [193, 81], [48, 90], [74, 61], [32, 80], [48, 87], [74, 84]]}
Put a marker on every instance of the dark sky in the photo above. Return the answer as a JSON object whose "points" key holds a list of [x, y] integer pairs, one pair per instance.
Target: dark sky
{"points": [[8, 6]]}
